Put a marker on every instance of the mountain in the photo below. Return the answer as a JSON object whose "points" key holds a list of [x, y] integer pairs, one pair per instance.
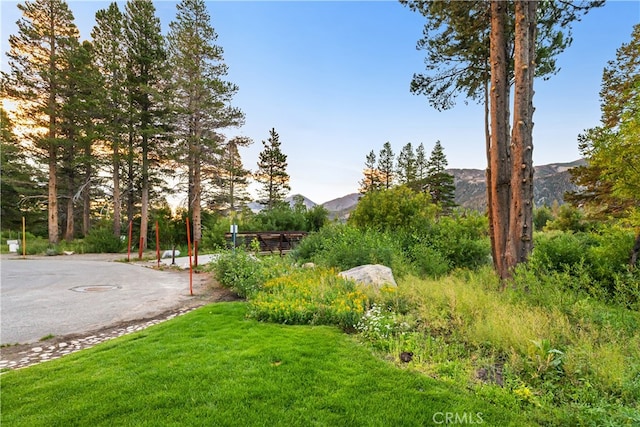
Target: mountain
{"points": [[550, 183], [309, 204], [341, 207]]}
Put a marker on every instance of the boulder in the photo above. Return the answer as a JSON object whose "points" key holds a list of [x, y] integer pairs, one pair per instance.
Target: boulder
{"points": [[374, 275], [169, 254]]}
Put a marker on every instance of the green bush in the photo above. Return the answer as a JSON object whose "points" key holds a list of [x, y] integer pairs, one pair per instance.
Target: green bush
{"points": [[463, 240], [428, 261], [239, 271], [344, 247], [102, 240], [244, 273], [558, 251], [398, 208]]}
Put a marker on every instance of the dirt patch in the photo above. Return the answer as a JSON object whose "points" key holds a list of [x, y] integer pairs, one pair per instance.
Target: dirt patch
{"points": [[22, 355]]}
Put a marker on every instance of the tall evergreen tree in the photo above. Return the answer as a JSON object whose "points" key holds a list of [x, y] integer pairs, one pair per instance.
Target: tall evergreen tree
{"points": [[203, 97], [21, 182], [272, 171], [109, 57], [611, 179], [479, 48], [438, 183], [421, 168], [80, 91], [38, 60], [233, 178], [386, 166], [146, 80], [371, 180], [406, 166]]}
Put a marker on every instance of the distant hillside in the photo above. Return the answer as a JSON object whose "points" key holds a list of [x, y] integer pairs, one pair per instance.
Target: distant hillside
{"points": [[310, 204], [340, 208], [550, 182]]}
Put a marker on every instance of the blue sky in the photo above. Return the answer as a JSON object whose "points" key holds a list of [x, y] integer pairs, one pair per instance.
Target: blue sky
{"points": [[332, 78]]}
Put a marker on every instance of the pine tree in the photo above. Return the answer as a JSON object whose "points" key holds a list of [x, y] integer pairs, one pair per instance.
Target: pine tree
{"points": [[202, 96], [371, 180], [421, 168], [233, 177], [386, 166], [272, 171], [479, 49], [146, 80], [406, 166], [109, 58], [38, 59], [611, 179], [80, 91], [21, 182], [440, 184]]}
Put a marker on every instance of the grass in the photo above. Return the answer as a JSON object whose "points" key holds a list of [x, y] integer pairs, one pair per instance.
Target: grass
{"points": [[215, 367]]}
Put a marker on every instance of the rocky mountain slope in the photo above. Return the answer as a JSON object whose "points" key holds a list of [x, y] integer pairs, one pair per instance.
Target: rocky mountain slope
{"points": [[550, 183]]}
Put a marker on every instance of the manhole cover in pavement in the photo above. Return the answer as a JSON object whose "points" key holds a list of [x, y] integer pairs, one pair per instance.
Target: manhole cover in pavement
{"points": [[98, 288]]}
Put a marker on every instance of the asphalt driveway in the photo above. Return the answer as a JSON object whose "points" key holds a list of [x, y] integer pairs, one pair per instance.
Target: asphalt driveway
{"points": [[67, 295]]}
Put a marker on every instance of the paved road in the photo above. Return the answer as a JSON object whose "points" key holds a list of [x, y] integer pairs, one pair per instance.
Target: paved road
{"points": [[65, 295]]}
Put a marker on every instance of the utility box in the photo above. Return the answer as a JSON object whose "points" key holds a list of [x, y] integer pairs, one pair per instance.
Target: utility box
{"points": [[14, 245]]}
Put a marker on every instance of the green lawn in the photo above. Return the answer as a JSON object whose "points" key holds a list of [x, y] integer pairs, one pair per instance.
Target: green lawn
{"points": [[214, 367]]}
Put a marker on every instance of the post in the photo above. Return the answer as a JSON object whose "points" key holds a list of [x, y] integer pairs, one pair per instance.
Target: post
{"points": [[24, 238], [158, 244], [234, 231], [189, 254], [140, 247]]}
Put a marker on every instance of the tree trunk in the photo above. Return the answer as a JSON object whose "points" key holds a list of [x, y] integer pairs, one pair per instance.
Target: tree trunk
{"points": [[68, 234], [144, 202], [53, 192], [130, 176], [197, 209], [499, 150], [487, 137], [116, 191], [520, 243], [86, 191]]}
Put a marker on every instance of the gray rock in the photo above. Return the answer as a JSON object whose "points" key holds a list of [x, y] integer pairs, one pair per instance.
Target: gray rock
{"points": [[169, 254], [374, 275], [308, 265]]}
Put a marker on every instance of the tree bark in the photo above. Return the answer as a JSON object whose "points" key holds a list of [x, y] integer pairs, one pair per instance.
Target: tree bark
{"points": [[53, 191], [519, 242], [499, 150], [86, 191], [117, 219], [130, 176], [69, 231], [52, 204], [144, 202]]}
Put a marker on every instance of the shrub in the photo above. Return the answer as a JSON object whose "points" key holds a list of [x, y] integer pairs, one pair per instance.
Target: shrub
{"points": [[429, 261], [102, 240], [244, 273], [393, 209], [344, 247]]}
